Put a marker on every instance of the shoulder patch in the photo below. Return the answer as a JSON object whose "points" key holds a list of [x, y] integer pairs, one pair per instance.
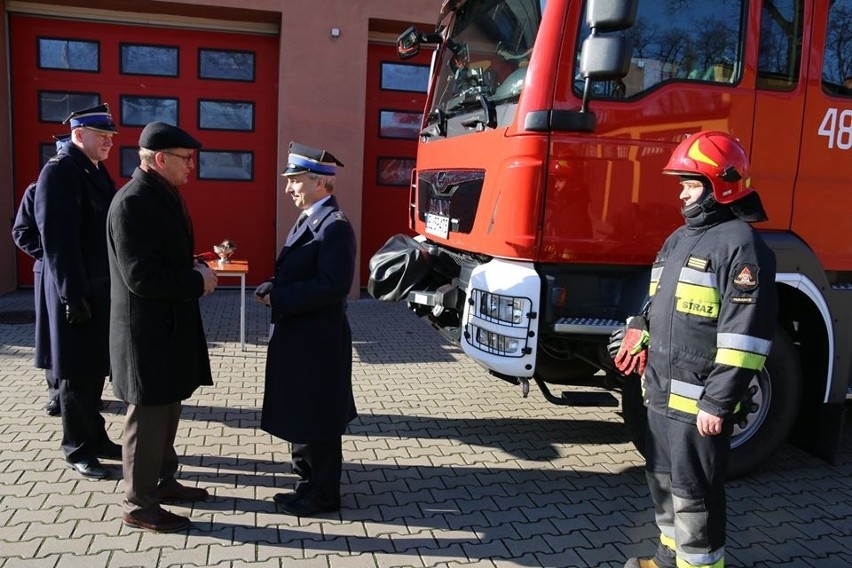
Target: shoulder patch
{"points": [[745, 277], [698, 263]]}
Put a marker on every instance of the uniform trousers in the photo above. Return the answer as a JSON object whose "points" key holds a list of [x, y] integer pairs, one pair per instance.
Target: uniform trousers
{"points": [[686, 477], [319, 466], [149, 456], [83, 427]]}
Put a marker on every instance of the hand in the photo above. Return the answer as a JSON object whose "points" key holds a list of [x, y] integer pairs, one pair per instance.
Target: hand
{"points": [[708, 424], [261, 293], [632, 353], [78, 312], [210, 278]]}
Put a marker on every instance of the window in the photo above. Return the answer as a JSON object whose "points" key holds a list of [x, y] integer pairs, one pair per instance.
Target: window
{"points": [[56, 106], [46, 152], [402, 77], [139, 59], [837, 61], [68, 54], [394, 171], [400, 124], [139, 111], [689, 40], [129, 158], [225, 165], [225, 115], [226, 65], [781, 23]]}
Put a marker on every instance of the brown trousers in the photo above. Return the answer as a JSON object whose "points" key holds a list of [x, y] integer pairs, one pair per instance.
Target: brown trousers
{"points": [[149, 453]]}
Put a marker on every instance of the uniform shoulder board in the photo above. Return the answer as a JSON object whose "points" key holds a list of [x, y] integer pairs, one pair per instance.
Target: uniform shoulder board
{"points": [[338, 216], [56, 158]]}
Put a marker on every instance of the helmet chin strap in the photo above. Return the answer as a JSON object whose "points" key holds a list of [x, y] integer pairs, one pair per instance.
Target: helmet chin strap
{"points": [[704, 204]]}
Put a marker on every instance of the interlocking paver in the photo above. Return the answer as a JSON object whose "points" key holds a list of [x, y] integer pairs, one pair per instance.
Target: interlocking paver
{"points": [[444, 466]]}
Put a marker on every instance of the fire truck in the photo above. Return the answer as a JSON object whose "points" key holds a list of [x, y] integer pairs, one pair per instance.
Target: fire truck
{"points": [[538, 201]]}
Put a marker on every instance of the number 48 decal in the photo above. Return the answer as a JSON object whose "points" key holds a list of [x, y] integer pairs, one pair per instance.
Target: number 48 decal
{"points": [[837, 129]]}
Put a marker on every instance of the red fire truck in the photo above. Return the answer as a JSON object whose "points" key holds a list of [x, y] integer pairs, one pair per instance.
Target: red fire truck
{"points": [[539, 203]]}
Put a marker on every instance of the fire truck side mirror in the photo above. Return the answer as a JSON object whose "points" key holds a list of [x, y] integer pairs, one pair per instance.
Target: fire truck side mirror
{"points": [[409, 42], [605, 57], [611, 15]]}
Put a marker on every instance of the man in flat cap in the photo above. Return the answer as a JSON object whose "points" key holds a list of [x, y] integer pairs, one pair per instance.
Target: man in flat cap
{"points": [[72, 195], [308, 397], [28, 240], [157, 343]]}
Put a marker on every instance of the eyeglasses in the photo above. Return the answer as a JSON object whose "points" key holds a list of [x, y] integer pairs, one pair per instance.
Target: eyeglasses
{"points": [[187, 159]]}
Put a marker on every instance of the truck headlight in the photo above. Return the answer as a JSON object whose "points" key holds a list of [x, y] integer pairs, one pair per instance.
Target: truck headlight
{"points": [[496, 343], [501, 308]]}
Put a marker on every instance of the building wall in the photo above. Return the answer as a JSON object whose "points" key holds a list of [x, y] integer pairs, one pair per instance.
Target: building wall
{"points": [[322, 89]]}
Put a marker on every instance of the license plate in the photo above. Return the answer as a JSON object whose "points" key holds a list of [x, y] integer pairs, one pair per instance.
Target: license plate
{"points": [[438, 225]]}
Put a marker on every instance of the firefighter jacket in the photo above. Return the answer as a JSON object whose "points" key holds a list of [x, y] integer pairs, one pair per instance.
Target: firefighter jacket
{"points": [[712, 316]]}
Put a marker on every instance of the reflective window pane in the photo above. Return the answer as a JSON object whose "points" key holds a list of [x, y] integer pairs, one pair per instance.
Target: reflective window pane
{"points": [[139, 111], [405, 77], [781, 29], [149, 60], [394, 171], [129, 160], [400, 124], [225, 115], [46, 152], [837, 58], [72, 55], [227, 65], [225, 165], [54, 106]]}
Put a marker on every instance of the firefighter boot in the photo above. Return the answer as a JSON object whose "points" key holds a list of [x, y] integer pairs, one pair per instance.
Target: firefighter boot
{"points": [[641, 563]]}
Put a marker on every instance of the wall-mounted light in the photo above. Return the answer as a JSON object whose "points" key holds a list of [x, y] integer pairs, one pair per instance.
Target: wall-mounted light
{"points": [[335, 32]]}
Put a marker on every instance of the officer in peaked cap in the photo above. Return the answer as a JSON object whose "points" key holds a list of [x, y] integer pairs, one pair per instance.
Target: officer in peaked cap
{"points": [[74, 191], [96, 118], [308, 398], [303, 159]]}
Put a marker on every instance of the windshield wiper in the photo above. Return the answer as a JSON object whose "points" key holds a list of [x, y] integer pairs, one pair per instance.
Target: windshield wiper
{"points": [[487, 120], [437, 124]]}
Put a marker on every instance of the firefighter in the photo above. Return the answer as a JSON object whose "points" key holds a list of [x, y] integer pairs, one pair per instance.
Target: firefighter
{"points": [[706, 331]]}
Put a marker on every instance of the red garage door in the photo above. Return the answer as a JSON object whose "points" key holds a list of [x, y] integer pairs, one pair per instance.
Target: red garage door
{"points": [[396, 94], [220, 87]]}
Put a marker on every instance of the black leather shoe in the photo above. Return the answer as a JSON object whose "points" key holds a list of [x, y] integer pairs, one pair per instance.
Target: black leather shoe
{"points": [[90, 468], [110, 451], [282, 498], [52, 408], [308, 506]]}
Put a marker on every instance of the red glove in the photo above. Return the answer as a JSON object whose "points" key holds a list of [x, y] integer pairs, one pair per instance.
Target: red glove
{"points": [[632, 355]]}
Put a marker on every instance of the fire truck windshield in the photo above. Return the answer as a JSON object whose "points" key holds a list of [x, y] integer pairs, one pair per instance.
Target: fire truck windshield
{"points": [[485, 55]]}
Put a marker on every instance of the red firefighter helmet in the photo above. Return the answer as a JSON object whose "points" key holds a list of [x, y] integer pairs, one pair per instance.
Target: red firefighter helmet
{"points": [[717, 156]]}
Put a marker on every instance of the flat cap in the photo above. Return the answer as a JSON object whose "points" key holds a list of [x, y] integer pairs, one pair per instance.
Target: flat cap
{"points": [[303, 159], [163, 136], [96, 118]]}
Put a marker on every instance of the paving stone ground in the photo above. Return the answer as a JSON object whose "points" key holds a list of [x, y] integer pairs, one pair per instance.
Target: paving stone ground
{"points": [[445, 466]]}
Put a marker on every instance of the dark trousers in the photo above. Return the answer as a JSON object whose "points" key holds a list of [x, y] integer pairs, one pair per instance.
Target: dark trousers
{"points": [[83, 427], [319, 466], [686, 477], [52, 385], [149, 455]]}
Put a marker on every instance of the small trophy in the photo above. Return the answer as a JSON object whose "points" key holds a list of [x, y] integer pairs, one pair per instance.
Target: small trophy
{"points": [[225, 249]]}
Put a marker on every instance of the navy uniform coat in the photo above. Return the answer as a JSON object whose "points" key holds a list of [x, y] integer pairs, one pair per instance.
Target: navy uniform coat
{"points": [[157, 343], [308, 394], [71, 202], [26, 237]]}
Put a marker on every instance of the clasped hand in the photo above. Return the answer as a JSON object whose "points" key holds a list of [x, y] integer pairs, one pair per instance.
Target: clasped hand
{"points": [[261, 293], [210, 278]]}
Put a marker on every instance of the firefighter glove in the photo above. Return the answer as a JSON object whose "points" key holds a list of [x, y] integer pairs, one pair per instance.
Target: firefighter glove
{"points": [[78, 312], [632, 353]]}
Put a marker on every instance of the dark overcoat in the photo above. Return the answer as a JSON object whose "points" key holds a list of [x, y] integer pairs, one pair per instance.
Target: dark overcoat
{"points": [[26, 237], [71, 202], [308, 394], [157, 343]]}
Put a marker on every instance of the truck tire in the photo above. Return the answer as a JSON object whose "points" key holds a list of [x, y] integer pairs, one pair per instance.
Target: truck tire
{"points": [[768, 413]]}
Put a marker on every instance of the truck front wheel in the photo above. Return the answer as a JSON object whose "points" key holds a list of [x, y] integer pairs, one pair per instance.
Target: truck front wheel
{"points": [[767, 412]]}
